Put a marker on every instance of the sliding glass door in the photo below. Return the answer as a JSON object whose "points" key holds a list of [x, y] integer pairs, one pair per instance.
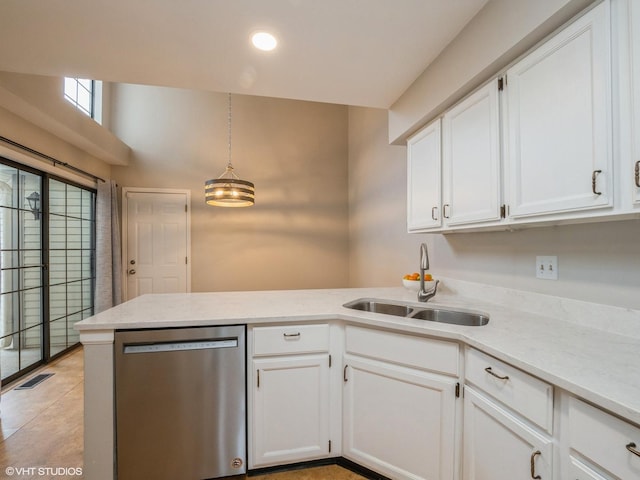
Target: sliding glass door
{"points": [[71, 254], [47, 258], [21, 270]]}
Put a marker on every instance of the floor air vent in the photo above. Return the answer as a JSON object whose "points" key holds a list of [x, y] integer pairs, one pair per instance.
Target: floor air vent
{"points": [[34, 381]]}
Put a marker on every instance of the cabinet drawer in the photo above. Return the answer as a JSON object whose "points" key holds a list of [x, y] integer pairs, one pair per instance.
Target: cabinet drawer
{"points": [[603, 439], [412, 351], [287, 339], [527, 395]]}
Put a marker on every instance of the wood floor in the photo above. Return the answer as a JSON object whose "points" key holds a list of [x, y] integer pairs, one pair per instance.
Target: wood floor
{"points": [[42, 429], [330, 472]]}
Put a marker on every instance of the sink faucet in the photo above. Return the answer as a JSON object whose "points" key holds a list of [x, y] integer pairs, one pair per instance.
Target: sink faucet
{"points": [[423, 295]]}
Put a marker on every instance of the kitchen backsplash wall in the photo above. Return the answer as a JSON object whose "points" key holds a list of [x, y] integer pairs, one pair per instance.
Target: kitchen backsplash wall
{"points": [[597, 262], [296, 154]]}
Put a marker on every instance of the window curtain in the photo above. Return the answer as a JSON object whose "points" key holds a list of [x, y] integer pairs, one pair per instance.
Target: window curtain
{"points": [[108, 253]]}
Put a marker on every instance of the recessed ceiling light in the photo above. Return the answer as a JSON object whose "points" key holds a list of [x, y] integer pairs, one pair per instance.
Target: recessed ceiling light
{"points": [[264, 41]]}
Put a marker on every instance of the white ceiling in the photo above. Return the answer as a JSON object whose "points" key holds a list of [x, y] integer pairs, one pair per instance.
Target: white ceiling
{"points": [[353, 52]]}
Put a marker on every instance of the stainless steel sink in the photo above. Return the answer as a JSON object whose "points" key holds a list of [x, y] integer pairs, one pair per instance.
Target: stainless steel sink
{"points": [[374, 306], [470, 319], [455, 317]]}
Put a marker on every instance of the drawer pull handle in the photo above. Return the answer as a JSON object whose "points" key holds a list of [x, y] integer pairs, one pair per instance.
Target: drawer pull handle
{"points": [[594, 175], [344, 373], [291, 335], [491, 372], [637, 174], [445, 209], [633, 449], [533, 465], [433, 213]]}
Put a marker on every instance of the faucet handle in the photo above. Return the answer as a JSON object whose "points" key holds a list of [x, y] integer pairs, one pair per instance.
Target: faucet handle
{"points": [[424, 296]]}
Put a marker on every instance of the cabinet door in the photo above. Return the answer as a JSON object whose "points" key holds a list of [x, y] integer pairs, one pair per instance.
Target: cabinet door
{"points": [[471, 159], [498, 446], [423, 179], [633, 173], [398, 421], [558, 122], [290, 409], [579, 471]]}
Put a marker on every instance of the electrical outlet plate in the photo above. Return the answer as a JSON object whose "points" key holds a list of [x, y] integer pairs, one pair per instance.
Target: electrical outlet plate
{"points": [[547, 267]]}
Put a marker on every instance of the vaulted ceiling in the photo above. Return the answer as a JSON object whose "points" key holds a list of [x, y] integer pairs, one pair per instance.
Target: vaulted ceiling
{"points": [[353, 52]]}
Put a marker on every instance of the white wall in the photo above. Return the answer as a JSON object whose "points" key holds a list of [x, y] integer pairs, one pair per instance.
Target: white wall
{"points": [[598, 262], [39, 100], [296, 154]]}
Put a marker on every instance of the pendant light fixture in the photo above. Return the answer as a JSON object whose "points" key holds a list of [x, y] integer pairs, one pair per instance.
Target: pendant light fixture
{"points": [[228, 190]]}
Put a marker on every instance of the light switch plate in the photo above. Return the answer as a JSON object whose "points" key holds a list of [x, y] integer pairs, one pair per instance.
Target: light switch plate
{"points": [[547, 267]]}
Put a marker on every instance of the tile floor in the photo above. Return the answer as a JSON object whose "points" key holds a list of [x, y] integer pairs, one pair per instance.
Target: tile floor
{"points": [[42, 428]]}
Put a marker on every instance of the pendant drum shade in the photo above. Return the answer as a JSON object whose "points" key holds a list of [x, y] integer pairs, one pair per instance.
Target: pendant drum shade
{"points": [[228, 190]]}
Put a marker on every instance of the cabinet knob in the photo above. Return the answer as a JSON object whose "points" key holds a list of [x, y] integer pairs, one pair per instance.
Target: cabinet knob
{"points": [[132, 272]]}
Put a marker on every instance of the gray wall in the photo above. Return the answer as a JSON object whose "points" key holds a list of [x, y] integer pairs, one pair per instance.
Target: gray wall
{"points": [[598, 262], [296, 154]]}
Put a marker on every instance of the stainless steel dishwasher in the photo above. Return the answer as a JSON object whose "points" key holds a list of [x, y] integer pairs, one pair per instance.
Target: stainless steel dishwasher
{"points": [[180, 403]]}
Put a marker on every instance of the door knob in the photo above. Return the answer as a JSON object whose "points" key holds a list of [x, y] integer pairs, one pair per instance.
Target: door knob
{"points": [[132, 272]]}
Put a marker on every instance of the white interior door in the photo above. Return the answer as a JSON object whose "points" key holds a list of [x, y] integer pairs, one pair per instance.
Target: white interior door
{"points": [[157, 242]]}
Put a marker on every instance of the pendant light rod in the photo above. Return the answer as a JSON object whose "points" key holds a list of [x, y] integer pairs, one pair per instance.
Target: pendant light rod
{"points": [[228, 190], [229, 130]]}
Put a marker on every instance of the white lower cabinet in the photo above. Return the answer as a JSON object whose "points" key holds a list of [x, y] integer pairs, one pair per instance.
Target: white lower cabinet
{"points": [[602, 446], [291, 409], [580, 471], [398, 421], [402, 416], [500, 446], [290, 395], [400, 403]]}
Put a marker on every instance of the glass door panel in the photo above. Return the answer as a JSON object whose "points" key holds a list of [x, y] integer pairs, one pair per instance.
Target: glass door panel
{"points": [[21, 271], [71, 257]]}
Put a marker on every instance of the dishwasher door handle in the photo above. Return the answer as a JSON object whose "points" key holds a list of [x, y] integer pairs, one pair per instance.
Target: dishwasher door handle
{"points": [[180, 346]]}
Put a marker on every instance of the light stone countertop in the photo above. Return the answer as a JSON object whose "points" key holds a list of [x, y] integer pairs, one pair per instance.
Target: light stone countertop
{"points": [[590, 350]]}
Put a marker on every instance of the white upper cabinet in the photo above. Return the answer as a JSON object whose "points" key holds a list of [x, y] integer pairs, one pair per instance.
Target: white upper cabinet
{"points": [[423, 179], [557, 122], [631, 173], [471, 159]]}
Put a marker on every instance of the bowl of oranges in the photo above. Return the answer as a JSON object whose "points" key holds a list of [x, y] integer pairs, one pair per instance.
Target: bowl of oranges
{"points": [[412, 281]]}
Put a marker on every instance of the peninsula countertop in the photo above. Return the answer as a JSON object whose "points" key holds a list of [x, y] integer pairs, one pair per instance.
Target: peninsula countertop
{"points": [[566, 348]]}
